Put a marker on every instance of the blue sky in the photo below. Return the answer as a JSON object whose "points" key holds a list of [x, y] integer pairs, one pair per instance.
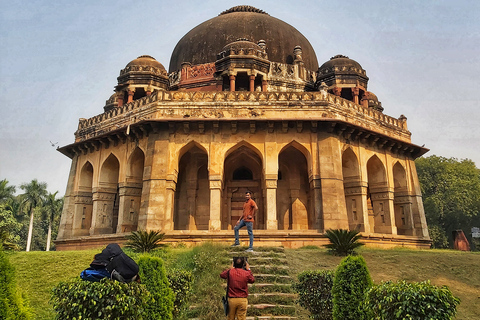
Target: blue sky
{"points": [[59, 61]]}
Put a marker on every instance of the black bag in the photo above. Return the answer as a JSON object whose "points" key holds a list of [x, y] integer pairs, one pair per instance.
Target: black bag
{"points": [[120, 266], [225, 298]]}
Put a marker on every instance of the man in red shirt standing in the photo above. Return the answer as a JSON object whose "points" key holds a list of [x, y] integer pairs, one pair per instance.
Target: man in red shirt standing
{"points": [[246, 220], [238, 277]]}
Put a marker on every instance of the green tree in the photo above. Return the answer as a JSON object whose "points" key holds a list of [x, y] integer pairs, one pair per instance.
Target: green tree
{"points": [[9, 226], [32, 198], [51, 209], [6, 192], [451, 194]]}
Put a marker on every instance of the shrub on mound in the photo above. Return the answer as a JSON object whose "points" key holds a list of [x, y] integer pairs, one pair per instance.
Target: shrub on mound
{"points": [[403, 300], [352, 280], [181, 282], [153, 276], [315, 293], [107, 299]]}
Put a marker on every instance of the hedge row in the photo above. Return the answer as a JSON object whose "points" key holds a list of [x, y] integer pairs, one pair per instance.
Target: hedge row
{"points": [[350, 295]]}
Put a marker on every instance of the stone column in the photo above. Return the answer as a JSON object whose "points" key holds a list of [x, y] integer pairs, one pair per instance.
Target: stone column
{"points": [[191, 198], [102, 217], [337, 91], [356, 202], [315, 187], [82, 220], [232, 82], [129, 207], [68, 211], [418, 212], [252, 82], [383, 209], [271, 202], [215, 202], [264, 85], [120, 98], [171, 185], [356, 93], [331, 176], [131, 92]]}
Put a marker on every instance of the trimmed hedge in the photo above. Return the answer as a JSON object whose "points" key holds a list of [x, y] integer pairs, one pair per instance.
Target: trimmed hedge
{"points": [[352, 280], [402, 300], [12, 305], [314, 290], [107, 299], [153, 276]]}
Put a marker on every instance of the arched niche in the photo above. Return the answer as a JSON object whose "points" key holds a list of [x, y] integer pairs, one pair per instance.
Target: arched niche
{"points": [[131, 192], [192, 194], [354, 190], [378, 196], [106, 201], [294, 210], [245, 163], [402, 201], [82, 220]]}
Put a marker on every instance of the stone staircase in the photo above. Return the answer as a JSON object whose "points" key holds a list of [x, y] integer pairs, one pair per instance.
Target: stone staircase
{"points": [[271, 296]]}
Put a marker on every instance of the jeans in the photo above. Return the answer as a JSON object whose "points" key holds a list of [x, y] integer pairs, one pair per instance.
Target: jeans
{"points": [[249, 226]]}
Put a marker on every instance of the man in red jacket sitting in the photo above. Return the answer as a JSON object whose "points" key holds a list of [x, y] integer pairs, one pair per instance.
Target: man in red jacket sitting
{"points": [[238, 277]]}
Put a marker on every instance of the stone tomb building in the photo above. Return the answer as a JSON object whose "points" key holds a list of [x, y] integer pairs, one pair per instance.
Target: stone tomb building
{"points": [[244, 106]]}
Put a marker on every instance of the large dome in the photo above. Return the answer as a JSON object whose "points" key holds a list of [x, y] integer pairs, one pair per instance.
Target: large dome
{"points": [[205, 41]]}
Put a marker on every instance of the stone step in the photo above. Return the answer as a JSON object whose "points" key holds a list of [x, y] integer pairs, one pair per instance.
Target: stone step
{"points": [[268, 305], [270, 318], [274, 294]]}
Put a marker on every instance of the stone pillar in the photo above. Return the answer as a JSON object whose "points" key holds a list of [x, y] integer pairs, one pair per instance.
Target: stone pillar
{"points": [[271, 202], [252, 82], [82, 220], [356, 203], [315, 187], [68, 211], [383, 209], [103, 205], [171, 185], [264, 85], [232, 82], [129, 207], [331, 176], [337, 91], [215, 202], [418, 212], [120, 99], [191, 198], [131, 92], [356, 93]]}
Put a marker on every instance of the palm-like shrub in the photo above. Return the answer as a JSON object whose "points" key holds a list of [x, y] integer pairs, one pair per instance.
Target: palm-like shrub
{"points": [[343, 242], [144, 241]]}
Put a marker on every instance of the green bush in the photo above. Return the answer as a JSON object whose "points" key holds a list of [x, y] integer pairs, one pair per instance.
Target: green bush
{"points": [[351, 282], [181, 282], [343, 242], [145, 241], [402, 300], [314, 290], [107, 299], [12, 304], [152, 274]]}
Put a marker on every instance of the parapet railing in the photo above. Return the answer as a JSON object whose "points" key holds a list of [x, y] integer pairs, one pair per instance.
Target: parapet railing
{"points": [[290, 98]]}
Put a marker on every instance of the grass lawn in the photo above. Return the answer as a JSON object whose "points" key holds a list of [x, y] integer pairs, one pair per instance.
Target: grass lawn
{"points": [[38, 272]]}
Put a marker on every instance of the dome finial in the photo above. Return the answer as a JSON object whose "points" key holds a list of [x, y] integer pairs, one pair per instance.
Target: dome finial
{"points": [[243, 9]]}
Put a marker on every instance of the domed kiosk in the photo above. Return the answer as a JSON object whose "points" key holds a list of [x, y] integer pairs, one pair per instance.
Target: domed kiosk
{"points": [[244, 106]]}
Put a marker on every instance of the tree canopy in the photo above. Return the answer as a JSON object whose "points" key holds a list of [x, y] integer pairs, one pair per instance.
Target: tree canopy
{"points": [[451, 195]]}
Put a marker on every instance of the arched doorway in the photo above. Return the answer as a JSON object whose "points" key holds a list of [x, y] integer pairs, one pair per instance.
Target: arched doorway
{"points": [[352, 185], [106, 199], [293, 191], [131, 193], [84, 202], [402, 202], [242, 172], [192, 195], [378, 196]]}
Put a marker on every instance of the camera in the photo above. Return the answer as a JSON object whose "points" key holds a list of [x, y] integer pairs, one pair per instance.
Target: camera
{"points": [[240, 262]]}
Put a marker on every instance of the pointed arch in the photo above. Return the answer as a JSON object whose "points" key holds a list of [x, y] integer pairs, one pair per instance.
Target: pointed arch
{"points": [[293, 190], [402, 201], [248, 159], [353, 189], [192, 194], [86, 177], [306, 153], [109, 171], [135, 166], [378, 196]]}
